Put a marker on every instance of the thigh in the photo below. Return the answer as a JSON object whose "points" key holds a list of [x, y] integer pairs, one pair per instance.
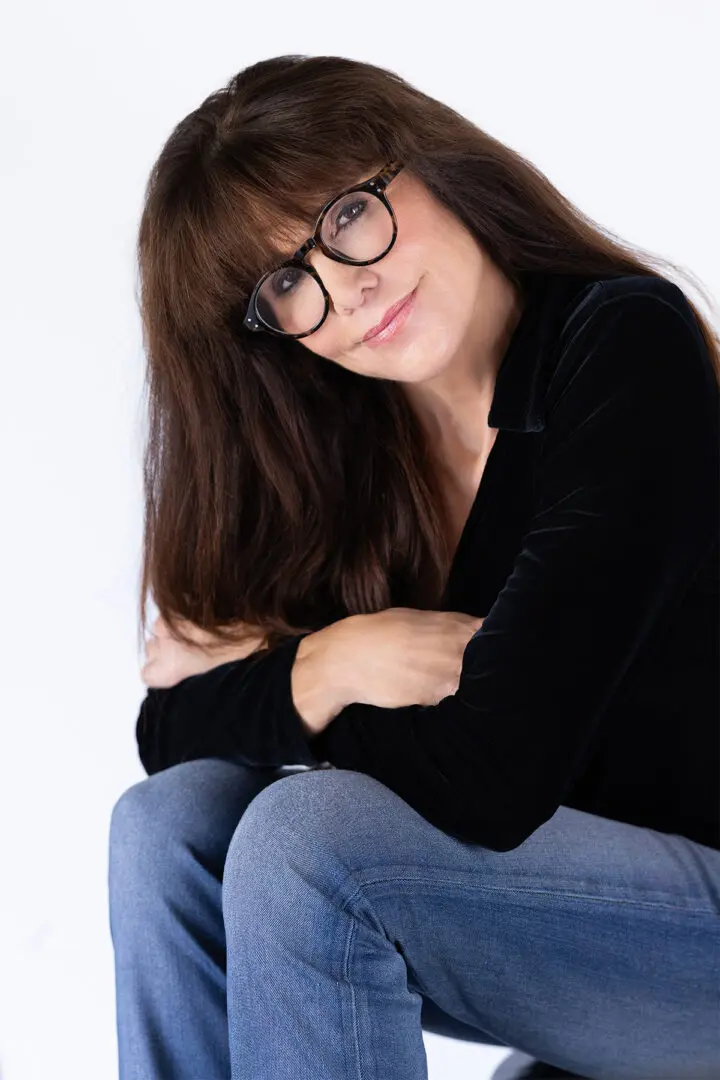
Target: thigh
{"points": [[593, 941]]}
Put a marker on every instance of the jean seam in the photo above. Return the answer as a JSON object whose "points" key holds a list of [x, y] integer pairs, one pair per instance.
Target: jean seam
{"points": [[353, 1003], [559, 893]]}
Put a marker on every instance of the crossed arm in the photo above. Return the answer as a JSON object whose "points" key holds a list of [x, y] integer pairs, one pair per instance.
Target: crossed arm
{"points": [[624, 514]]}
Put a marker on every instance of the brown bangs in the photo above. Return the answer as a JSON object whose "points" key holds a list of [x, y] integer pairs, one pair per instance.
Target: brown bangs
{"points": [[266, 211]]}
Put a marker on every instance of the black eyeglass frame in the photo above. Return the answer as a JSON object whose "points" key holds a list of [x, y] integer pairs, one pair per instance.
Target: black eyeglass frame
{"points": [[376, 185]]}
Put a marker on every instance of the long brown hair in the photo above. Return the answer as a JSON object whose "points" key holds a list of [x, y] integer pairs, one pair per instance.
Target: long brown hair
{"points": [[282, 490]]}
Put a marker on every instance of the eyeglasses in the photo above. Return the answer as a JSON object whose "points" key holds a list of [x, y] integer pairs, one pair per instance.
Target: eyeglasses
{"points": [[357, 227]]}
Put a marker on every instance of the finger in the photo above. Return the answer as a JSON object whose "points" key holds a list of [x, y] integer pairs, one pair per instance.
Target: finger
{"points": [[160, 628], [151, 647], [196, 633], [155, 679]]}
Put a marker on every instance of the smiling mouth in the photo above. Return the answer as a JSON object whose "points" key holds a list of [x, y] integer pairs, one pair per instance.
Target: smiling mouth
{"points": [[390, 315]]}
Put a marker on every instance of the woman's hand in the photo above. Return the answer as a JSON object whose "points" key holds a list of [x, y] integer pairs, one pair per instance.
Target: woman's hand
{"points": [[399, 656], [169, 661]]}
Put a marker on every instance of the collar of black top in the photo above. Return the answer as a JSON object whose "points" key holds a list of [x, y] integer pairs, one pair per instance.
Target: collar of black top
{"points": [[550, 301]]}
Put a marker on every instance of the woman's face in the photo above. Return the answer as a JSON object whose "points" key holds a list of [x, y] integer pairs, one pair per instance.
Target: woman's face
{"points": [[433, 253]]}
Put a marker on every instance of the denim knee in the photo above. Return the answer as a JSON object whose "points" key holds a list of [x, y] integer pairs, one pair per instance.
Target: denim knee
{"points": [[149, 820], [155, 810], [192, 807]]}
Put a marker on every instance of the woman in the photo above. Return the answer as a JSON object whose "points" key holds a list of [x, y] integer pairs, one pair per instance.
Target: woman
{"points": [[431, 510]]}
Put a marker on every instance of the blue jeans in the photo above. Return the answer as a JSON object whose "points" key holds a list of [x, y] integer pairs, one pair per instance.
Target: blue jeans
{"points": [[308, 925]]}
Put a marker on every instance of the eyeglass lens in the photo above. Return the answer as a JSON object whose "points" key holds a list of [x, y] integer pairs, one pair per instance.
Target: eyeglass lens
{"points": [[357, 226]]}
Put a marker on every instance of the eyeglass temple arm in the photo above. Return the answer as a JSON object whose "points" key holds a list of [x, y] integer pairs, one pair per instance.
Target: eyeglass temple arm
{"points": [[388, 173]]}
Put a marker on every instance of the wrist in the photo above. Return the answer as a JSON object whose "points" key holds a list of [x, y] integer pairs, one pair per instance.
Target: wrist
{"points": [[321, 676], [333, 654]]}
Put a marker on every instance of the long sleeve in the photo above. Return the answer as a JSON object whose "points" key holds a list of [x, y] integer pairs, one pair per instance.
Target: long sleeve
{"points": [[624, 511], [238, 711]]}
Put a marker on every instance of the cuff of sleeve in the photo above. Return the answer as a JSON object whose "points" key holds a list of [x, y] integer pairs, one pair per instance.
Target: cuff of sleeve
{"points": [[242, 710], [287, 739]]}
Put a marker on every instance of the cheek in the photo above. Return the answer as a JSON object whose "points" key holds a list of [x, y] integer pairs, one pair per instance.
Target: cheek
{"points": [[329, 351], [446, 294], [320, 344]]}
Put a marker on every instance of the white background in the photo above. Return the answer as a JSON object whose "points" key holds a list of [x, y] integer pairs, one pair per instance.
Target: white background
{"points": [[616, 102]]}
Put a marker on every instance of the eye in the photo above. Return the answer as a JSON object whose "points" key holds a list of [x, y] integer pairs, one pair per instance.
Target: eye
{"points": [[349, 214], [285, 280]]}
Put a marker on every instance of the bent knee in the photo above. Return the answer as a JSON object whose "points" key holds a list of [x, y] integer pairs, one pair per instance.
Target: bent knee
{"points": [[193, 804]]}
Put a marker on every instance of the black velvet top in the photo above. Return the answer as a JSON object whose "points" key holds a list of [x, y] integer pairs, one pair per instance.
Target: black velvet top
{"points": [[591, 551]]}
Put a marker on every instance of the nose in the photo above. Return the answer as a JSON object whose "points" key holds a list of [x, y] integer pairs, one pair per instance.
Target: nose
{"points": [[345, 283]]}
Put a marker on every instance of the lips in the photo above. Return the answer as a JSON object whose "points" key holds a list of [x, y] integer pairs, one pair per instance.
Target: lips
{"points": [[387, 317]]}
